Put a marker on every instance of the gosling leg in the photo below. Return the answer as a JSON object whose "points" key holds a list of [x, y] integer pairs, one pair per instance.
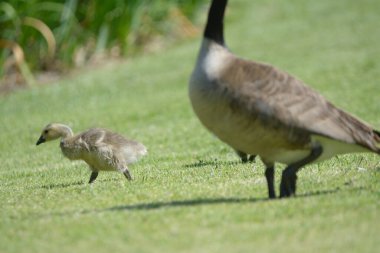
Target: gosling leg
{"points": [[289, 175], [93, 176], [127, 174]]}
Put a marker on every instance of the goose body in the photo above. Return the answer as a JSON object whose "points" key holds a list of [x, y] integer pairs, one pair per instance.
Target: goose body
{"points": [[101, 149], [258, 109]]}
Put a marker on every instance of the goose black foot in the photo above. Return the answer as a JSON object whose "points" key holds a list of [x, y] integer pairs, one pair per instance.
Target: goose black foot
{"points": [[245, 157], [289, 175], [269, 174], [251, 158], [288, 184], [93, 176]]}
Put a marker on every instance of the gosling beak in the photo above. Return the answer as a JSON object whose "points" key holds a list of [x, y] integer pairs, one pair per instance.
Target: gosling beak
{"points": [[40, 140]]}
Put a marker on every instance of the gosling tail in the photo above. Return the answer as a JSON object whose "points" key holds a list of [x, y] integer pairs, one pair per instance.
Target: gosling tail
{"points": [[377, 140]]}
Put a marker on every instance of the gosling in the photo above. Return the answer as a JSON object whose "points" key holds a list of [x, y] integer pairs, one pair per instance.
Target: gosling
{"points": [[101, 149]]}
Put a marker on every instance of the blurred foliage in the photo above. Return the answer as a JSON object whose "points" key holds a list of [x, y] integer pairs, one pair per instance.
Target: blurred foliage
{"points": [[54, 35]]}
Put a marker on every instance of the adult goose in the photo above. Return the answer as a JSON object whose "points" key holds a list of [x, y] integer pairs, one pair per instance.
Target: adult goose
{"points": [[101, 149], [258, 109]]}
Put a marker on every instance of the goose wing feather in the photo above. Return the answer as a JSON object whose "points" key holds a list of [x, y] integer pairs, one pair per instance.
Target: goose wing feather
{"points": [[287, 103]]}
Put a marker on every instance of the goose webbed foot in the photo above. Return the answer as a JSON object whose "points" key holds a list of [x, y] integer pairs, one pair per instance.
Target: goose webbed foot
{"points": [[289, 175], [288, 184], [242, 155], [251, 158], [269, 175], [245, 157], [93, 176]]}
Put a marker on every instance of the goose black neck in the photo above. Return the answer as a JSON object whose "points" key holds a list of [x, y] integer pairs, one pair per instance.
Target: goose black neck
{"points": [[214, 26]]}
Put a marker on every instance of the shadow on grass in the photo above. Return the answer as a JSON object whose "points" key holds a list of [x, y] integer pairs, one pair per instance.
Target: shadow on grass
{"points": [[202, 163], [194, 202], [206, 201], [69, 184], [198, 202], [61, 185], [184, 203]]}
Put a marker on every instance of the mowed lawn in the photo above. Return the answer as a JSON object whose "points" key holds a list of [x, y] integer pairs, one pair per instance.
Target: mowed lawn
{"points": [[191, 193]]}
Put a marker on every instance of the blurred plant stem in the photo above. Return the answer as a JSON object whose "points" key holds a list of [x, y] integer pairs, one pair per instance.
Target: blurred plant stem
{"points": [[59, 35]]}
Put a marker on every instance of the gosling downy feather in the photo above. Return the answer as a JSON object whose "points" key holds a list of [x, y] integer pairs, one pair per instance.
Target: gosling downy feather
{"points": [[101, 149], [258, 109]]}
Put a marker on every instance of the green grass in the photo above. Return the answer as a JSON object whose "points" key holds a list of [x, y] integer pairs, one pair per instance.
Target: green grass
{"points": [[56, 35], [191, 194]]}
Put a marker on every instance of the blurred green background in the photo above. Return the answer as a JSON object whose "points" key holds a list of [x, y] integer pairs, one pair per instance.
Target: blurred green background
{"points": [[191, 193], [59, 35]]}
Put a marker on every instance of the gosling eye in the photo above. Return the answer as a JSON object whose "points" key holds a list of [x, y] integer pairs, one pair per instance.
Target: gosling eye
{"points": [[46, 131]]}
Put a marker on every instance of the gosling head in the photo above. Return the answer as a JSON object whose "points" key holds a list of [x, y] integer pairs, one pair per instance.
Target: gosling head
{"points": [[54, 131]]}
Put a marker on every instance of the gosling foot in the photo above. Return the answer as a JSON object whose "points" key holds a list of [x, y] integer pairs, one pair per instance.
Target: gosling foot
{"points": [[127, 174], [93, 176]]}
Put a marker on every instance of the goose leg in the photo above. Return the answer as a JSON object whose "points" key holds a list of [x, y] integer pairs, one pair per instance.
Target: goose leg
{"points": [[269, 174], [289, 175], [245, 157], [251, 158], [127, 174], [242, 155], [93, 176]]}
